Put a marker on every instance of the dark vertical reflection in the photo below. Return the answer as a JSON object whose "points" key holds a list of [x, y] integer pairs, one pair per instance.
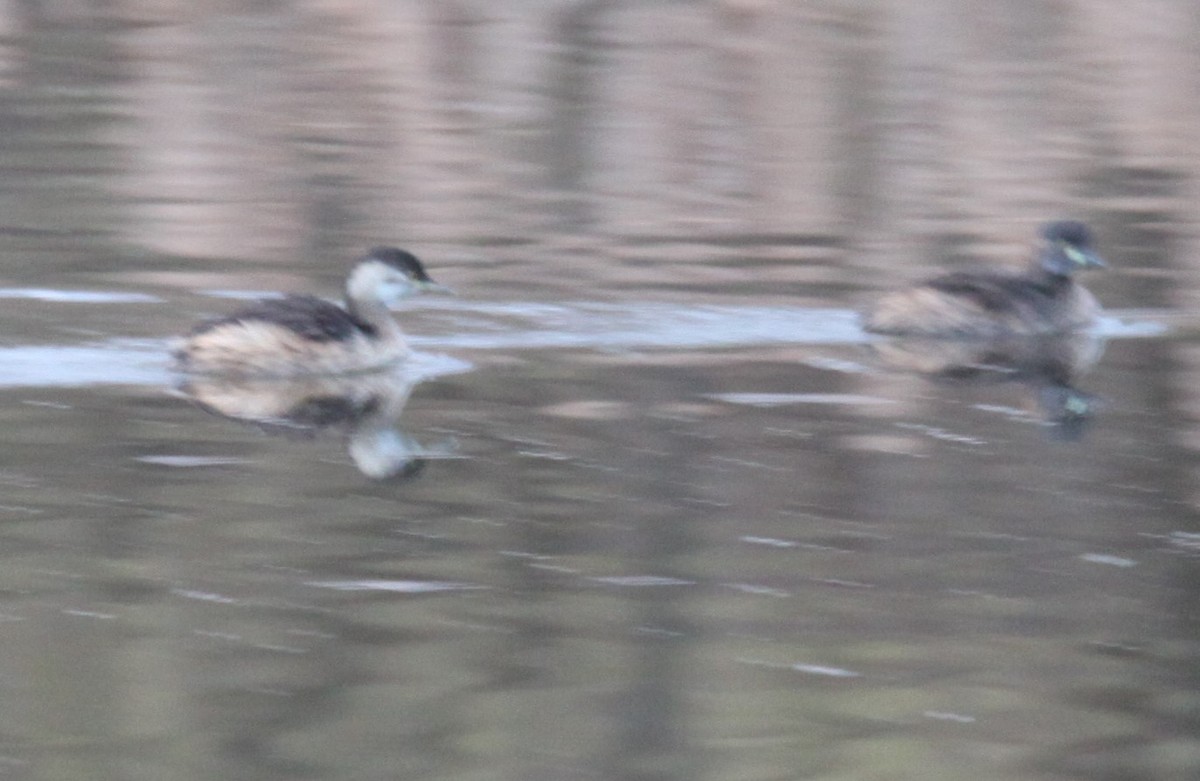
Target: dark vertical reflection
{"points": [[860, 113], [56, 112], [650, 713], [572, 107], [652, 716]]}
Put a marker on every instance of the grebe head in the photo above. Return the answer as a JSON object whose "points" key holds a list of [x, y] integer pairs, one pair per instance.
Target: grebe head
{"points": [[388, 274], [1067, 248]]}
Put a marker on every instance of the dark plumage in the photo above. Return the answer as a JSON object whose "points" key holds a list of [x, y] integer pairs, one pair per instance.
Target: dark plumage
{"points": [[1042, 300], [307, 316], [401, 260]]}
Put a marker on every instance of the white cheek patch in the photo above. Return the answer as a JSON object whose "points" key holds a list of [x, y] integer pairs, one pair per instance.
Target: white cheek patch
{"points": [[394, 289]]}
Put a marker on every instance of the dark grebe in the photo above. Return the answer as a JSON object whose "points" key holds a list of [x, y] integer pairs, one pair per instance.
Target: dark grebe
{"points": [[304, 335], [1042, 300]]}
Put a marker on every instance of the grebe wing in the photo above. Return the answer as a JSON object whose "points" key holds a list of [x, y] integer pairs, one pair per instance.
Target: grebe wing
{"points": [[308, 316], [990, 292]]}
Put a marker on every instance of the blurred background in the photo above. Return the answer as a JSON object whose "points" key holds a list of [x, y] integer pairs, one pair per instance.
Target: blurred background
{"points": [[590, 135], [656, 509]]}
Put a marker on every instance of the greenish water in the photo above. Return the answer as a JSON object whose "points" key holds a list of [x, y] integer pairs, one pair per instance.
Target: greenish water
{"points": [[646, 504]]}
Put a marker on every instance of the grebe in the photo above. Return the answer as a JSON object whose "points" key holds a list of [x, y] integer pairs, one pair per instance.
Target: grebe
{"points": [[299, 336], [1042, 300]]}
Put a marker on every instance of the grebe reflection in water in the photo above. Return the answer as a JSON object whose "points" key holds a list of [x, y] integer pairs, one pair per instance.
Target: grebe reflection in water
{"points": [[365, 408], [1047, 368]]}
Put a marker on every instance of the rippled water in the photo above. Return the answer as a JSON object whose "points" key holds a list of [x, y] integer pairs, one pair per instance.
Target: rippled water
{"points": [[646, 503]]}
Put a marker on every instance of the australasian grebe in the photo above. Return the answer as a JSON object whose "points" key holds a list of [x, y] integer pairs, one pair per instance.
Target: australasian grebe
{"points": [[299, 336], [1042, 300]]}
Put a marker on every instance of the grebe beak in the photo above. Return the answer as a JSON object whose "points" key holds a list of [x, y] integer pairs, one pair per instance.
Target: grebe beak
{"points": [[429, 286]]}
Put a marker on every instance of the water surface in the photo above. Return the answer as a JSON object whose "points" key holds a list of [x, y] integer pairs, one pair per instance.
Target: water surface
{"points": [[646, 504]]}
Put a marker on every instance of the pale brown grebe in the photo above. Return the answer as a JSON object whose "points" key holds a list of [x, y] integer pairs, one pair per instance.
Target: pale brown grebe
{"points": [[1042, 300], [299, 336]]}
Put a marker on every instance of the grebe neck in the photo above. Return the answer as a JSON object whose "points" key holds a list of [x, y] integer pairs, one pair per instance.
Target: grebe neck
{"points": [[374, 314], [1050, 281]]}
